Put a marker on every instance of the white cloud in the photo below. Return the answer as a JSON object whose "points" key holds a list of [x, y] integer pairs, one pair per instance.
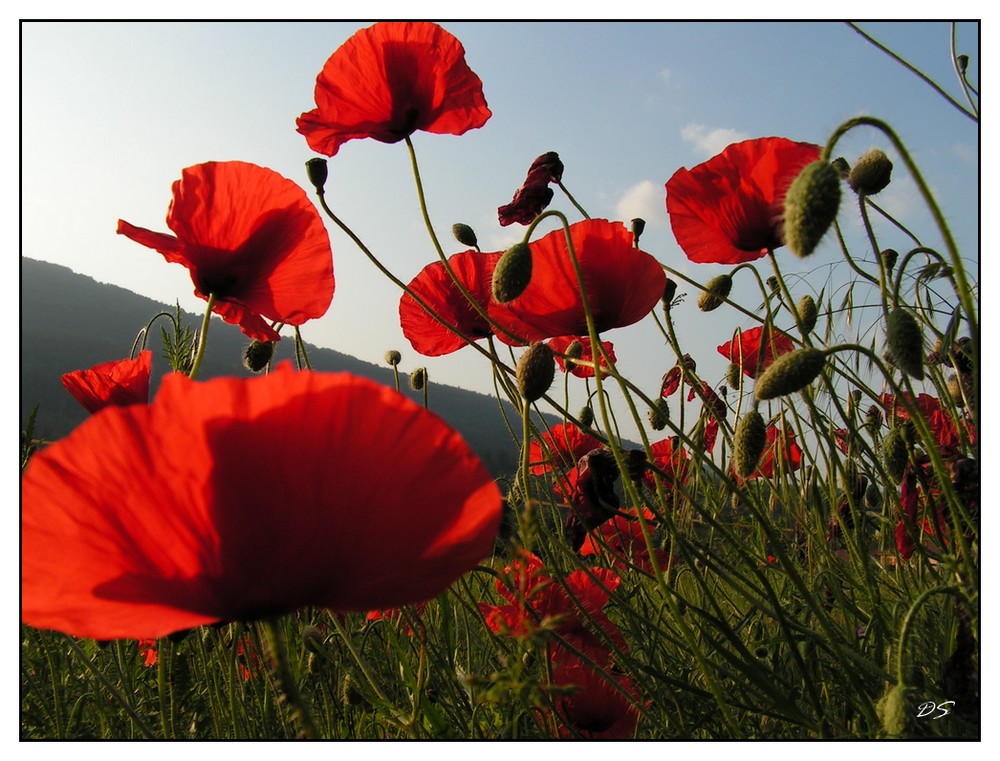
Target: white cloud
{"points": [[645, 200], [708, 142], [667, 76]]}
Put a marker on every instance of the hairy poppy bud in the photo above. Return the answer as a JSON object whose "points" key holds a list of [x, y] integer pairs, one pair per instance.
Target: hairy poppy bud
{"points": [[350, 695], [894, 710], [659, 414], [464, 235], [536, 370], [955, 391], [418, 379], [789, 373], [586, 416], [896, 451], [574, 350], [512, 273], [316, 170], [638, 225], [715, 293], [733, 375], [807, 314], [257, 355], [393, 357], [749, 441], [842, 167], [889, 257], [906, 342], [871, 173], [811, 206]]}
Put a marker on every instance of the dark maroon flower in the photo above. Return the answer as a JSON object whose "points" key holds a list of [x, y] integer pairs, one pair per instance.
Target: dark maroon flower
{"points": [[534, 195]]}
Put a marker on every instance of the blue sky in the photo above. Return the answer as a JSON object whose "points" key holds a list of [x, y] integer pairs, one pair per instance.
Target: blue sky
{"points": [[111, 113]]}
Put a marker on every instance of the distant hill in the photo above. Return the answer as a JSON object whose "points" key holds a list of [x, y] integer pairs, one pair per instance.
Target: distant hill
{"points": [[72, 322]]}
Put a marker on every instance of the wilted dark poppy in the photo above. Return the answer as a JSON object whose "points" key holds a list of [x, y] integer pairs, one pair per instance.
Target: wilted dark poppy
{"points": [[560, 344], [623, 284], [753, 350], [729, 209], [252, 239], [237, 499], [535, 194], [434, 286], [117, 383], [390, 80]]}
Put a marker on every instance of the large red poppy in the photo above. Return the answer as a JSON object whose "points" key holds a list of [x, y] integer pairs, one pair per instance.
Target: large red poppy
{"points": [[236, 499], [434, 286], [390, 80], [117, 383], [753, 350], [730, 209], [252, 239], [623, 284]]}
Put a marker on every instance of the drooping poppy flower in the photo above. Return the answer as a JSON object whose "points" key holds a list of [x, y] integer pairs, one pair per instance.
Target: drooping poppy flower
{"points": [[559, 448], [117, 383], [535, 194], [729, 209], [560, 344], [672, 378], [390, 80], [236, 499], [753, 350], [252, 239], [593, 498], [623, 284], [781, 453], [595, 709], [434, 286]]}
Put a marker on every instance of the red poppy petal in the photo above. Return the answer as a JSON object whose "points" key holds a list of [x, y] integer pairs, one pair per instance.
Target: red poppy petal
{"points": [[117, 383]]}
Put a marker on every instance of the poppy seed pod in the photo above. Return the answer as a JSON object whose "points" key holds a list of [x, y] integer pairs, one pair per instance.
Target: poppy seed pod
{"points": [[733, 375], [842, 167], [789, 373], [906, 342], [871, 173], [574, 350], [895, 452], [894, 710], [536, 369], [659, 414], [464, 235], [257, 355], [715, 293], [586, 416], [749, 441], [393, 357], [669, 291], [317, 171], [512, 273], [638, 226], [807, 314], [811, 206], [418, 379]]}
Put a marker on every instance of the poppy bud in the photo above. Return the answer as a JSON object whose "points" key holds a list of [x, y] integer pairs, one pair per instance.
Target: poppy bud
{"points": [[669, 291], [811, 206], [889, 257], [659, 414], [465, 235], [807, 314], [955, 391], [871, 173], [773, 284], [749, 441], [638, 225], [842, 167], [312, 638], [574, 350], [536, 370], [789, 373], [873, 497], [894, 710], [393, 357], [715, 293], [586, 416], [257, 355], [906, 342], [512, 273], [895, 452], [350, 694], [963, 63], [316, 169], [733, 375], [418, 379]]}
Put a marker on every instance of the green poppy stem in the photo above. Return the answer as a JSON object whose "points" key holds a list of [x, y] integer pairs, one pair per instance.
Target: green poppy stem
{"points": [[202, 337]]}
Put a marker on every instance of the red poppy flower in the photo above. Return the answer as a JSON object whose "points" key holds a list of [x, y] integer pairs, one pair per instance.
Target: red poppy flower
{"points": [[781, 453], [752, 354], [622, 538], [670, 457], [672, 379], [434, 286], [535, 194], [623, 284], [147, 649], [252, 239], [559, 344], [595, 709], [236, 499], [729, 209], [118, 383], [943, 426], [560, 448], [390, 80]]}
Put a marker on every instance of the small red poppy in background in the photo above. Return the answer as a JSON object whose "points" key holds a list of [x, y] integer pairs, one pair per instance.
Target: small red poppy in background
{"points": [[943, 426], [752, 350], [117, 383], [237, 499], [535, 194], [622, 537], [781, 453], [390, 80], [623, 284], [712, 416], [147, 649], [730, 209], [560, 344], [560, 448], [250, 238], [434, 286]]}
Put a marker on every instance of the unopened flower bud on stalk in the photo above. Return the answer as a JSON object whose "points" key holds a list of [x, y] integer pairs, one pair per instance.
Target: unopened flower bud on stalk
{"points": [[773, 284], [418, 379], [790, 373], [906, 342], [749, 441], [586, 416], [316, 170], [393, 357], [871, 173], [669, 291], [842, 167], [257, 355], [536, 370], [963, 63], [715, 293], [811, 206], [895, 710], [464, 235], [808, 314], [889, 257], [512, 273], [659, 414], [638, 225], [733, 375], [896, 451]]}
